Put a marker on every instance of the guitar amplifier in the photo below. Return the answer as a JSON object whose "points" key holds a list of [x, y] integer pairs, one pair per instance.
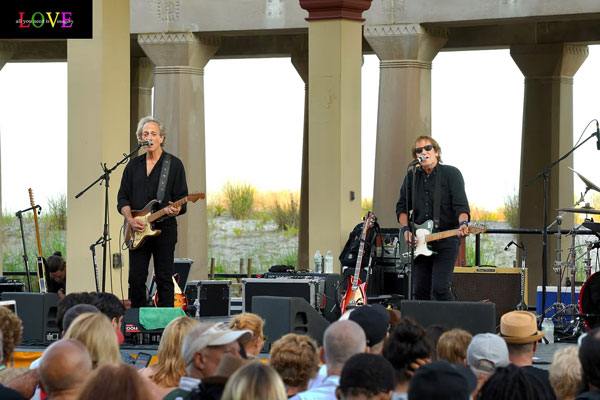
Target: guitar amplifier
{"points": [[311, 290], [213, 298]]}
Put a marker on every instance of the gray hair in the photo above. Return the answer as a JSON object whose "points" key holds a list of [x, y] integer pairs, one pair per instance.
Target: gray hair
{"points": [[144, 121], [190, 344], [342, 340]]}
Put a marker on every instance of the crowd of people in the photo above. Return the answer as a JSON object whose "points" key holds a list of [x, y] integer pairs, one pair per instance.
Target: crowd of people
{"points": [[364, 355]]}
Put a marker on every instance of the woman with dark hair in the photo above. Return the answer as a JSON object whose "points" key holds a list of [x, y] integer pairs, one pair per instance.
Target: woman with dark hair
{"points": [[57, 274], [589, 355], [406, 344], [116, 381]]}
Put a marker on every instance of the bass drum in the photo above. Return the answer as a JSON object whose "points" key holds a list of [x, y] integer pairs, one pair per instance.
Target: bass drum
{"points": [[589, 301]]}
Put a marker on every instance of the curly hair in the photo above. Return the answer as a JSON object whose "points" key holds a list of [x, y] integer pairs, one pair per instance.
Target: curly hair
{"points": [[140, 127], [12, 333], [406, 343], [452, 346], [295, 358], [251, 322], [514, 383], [170, 366]]}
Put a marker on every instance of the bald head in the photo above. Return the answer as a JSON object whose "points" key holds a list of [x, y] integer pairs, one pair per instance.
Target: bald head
{"points": [[342, 340], [64, 367]]}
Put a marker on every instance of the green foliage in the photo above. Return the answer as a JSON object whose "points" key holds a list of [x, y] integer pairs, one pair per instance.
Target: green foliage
{"points": [[366, 205], [57, 212], [219, 210], [511, 210], [290, 232], [7, 217], [289, 257], [486, 251], [238, 231], [239, 198], [286, 214]]}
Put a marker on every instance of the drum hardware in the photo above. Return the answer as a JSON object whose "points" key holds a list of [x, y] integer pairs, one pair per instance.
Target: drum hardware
{"points": [[558, 269], [522, 306]]}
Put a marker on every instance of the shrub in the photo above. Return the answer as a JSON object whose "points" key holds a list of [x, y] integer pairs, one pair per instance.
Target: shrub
{"points": [[366, 205], [286, 214], [239, 199], [511, 210], [57, 212]]}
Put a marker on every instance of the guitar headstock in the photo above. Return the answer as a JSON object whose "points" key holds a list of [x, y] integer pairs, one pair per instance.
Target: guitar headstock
{"points": [[476, 229], [31, 197], [193, 197], [370, 220]]}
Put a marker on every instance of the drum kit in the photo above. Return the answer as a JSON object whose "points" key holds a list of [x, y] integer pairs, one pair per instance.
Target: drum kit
{"points": [[577, 317]]}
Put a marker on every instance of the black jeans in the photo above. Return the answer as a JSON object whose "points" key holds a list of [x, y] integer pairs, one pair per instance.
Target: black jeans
{"points": [[162, 249], [432, 275]]}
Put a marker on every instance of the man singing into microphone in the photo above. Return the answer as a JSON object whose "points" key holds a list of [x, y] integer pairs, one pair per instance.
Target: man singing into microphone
{"points": [[153, 175], [431, 275]]}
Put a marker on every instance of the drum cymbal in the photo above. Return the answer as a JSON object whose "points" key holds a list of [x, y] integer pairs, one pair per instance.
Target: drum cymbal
{"points": [[583, 210], [589, 184]]}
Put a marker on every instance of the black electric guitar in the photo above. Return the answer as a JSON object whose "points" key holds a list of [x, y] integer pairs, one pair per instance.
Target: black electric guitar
{"points": [[134, 239], [39, 259], [425, 234]]}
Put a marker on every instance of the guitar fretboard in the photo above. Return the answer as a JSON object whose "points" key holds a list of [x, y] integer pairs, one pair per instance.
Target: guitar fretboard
{"points": [[441, 235], [159, 214]]}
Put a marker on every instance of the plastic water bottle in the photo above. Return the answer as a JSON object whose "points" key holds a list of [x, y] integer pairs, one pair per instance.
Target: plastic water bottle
{"points": [[318, 262], [329, 262], [197, 307], [548, 329]]}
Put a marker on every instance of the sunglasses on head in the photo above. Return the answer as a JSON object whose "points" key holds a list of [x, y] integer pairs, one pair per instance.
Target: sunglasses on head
{"points": [[426, 148]]}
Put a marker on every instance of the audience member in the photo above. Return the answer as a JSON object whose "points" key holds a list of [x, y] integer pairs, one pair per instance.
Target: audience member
{"points": [[255, 381], [342, 340], [12, 333], [442, 380], [366, 376], [212, 387], [111, 306], [24, 385], [433, 333], [589, 356], [169, 368], [116, 381], [97, 334], [296, 359], [64, 367], [519, 330], [202, 351], [69, 301], [407, 344], [513, 383], [374, 319], [452, 346], [253, 323], [74, 312], [57, 274], [485, 353], [565, 373]]}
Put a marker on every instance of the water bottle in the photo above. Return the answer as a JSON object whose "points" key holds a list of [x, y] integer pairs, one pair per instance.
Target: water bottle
{"points": [[548, 329], [197, 307], [318, 262], [329, 262]]}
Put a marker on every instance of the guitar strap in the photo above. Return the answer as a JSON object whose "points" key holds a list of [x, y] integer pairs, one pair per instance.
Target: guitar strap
{"points": [[436, 197], [164, 176]]}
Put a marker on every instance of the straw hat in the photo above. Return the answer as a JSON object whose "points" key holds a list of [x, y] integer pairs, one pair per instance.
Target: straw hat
{"points": [[519, 327]]}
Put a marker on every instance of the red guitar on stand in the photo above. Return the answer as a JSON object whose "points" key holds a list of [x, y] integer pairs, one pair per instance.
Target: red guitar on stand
{"points": [[179, 300], [356, 295]]}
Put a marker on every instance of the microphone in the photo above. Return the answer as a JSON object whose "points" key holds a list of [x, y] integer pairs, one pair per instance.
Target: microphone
{"points": [[597, 135], [145, 142], [418, 160], [508, 245]]}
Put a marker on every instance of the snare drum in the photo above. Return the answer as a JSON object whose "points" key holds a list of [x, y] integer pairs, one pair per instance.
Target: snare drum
{"points": [[589, 301]]}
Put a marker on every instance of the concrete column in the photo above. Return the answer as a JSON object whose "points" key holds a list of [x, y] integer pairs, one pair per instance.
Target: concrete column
{"points": [[300, 62], [98, 93], [334, 76], [405, 52], [142, 80], [6, 51], [547, 135], [180, 58]]}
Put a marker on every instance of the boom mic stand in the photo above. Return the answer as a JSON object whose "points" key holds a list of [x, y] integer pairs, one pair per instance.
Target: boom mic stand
{"points": [[104, 238], [544, 174]]}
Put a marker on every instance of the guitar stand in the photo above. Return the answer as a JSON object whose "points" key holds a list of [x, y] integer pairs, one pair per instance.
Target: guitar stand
{"points": [[19, 214]]}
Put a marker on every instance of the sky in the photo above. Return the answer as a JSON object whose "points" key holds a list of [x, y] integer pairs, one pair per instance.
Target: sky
{"points": [[254, 121]]}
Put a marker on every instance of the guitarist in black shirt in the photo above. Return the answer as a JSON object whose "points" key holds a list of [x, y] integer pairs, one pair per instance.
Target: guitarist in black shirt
{"points": [[431, 275]]}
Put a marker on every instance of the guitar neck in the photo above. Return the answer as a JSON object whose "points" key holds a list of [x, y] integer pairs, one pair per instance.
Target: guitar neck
{"points": [[441, 235], [159, 214]]}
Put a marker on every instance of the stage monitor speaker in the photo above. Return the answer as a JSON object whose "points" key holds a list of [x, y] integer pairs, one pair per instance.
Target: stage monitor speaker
{"points": [[283, 315], [473, 317], [38, 313], [501, 286]]}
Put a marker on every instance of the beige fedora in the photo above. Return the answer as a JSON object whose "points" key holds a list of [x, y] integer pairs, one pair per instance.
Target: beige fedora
{"points": [[519, 327]]}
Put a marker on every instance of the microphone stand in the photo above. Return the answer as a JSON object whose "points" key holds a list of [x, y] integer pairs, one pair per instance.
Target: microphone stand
{"points": [[106, 178], [544, 174], [19, 214], [412, 229]]}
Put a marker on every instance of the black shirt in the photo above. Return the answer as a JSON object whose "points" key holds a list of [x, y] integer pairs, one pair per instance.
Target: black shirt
{"points": [[54, 287], [138, 189], [453, 198]]}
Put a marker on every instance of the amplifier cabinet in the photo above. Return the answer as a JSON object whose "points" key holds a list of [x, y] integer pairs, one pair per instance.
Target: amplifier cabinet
{"points": [[501, 286], [214, 298], [311, 290]]}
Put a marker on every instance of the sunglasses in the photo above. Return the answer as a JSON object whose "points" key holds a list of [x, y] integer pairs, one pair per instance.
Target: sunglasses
{"points": [[426, 148]]}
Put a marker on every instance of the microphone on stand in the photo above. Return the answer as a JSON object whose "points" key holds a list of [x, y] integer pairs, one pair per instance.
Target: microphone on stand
{"points": [[145, 142], [418, 160], [597, 135]]}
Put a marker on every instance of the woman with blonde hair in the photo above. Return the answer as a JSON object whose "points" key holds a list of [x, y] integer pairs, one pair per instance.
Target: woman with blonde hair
{"points": [[566, 373], [296, 359], [253, 323], [97, 334], [170, 366], [255, 381]]}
